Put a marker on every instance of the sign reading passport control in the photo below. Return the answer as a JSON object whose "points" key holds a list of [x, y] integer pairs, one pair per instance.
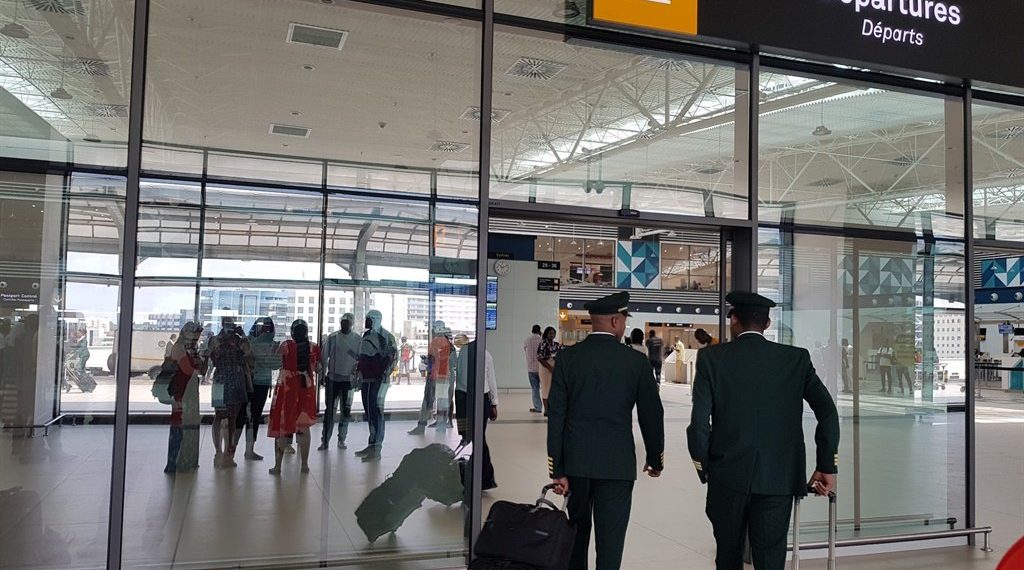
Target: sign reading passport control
{"points": [[959, 39]]}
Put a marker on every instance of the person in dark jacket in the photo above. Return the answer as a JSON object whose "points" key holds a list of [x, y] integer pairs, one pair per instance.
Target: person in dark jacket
{"points": [[746, 435], [591, 454]]}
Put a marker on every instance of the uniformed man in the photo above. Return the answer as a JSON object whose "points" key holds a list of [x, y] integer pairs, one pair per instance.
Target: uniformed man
{"points": [[746, 435], [591, 455]]}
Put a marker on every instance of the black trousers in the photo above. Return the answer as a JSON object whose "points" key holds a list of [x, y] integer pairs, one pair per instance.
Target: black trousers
{"points": [[465, 421], [764, 517], [656, 364], [604, 505], [252, 413]]}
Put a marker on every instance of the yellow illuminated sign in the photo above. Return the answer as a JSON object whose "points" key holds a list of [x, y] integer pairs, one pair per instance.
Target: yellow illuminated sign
{"points": [[673, 16]]}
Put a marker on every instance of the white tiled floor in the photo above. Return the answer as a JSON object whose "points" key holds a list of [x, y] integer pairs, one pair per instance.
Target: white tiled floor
{"points": [[54, 495]]}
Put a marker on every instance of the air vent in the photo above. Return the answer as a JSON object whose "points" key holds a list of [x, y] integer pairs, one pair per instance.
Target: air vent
{"points": [[57, 6], [84, 66], [450, 147], [316, 36], [1009, 133], [473, 114], [826, 182], [103, 110], [288, 131], [531, 68], [664, 64]]}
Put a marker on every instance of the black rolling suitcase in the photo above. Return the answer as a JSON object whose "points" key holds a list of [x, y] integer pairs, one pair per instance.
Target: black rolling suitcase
{"points": [[387, 507], [535, 536], [795, 563]]}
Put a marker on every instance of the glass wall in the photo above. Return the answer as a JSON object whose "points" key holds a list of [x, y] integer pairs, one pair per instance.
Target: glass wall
{"points": [[841, 154], [261, 211], [64, 96], [319, 161], [580, 123], [882, 313], [998, 172]]}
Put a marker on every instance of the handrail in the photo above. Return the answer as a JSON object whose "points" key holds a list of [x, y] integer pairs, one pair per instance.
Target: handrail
{"points": [[896, 538]]}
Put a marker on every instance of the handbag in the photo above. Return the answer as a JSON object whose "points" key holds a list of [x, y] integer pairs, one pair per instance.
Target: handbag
{"points": [[161, 388], [540, 535]]}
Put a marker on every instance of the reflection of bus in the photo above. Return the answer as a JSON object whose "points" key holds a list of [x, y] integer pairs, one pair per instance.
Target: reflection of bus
{"points": [[148, 351]]}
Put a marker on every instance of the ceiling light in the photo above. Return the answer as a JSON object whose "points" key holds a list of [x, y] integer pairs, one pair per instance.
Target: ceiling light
{"points": [[821, 131], [296, 113], [61, 93], [14, 30], [309, 67]]}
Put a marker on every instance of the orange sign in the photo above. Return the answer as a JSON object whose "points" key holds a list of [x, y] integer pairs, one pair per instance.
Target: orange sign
{"points": [[673, 16]]}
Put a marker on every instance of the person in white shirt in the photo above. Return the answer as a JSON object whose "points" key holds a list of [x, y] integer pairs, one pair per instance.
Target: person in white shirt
{"points": [[530, 347], [341, 357], [463, 408]]}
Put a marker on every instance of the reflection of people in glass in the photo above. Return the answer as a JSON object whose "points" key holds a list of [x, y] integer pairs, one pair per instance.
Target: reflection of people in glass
{"points": [[885, 353], [232, 359], [266, 361], [546, 357], [76, 355], [846, 351], [341, 357], [438, 354], [183, 443], [406, 367], [903, 361], [465, 385], [294, 408], [377, 355]]}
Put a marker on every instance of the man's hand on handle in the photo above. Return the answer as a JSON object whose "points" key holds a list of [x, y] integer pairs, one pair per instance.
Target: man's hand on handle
{"points": [[561, 485], [822, 483], [652, 471]]}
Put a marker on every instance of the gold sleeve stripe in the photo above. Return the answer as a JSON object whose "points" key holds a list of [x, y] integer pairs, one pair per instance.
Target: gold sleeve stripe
{"points": [[698, 465]]}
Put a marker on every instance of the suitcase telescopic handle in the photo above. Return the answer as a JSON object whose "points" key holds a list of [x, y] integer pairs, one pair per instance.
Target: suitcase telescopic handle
{"points": [[543, 500]]}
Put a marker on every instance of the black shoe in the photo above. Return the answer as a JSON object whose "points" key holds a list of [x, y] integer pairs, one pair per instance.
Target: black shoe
{"points": [[364, 451], [489, 486], [374, 455], [418, 430]]}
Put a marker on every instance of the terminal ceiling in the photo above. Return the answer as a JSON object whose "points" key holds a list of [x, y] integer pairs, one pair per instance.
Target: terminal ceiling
{"points": [[220, 73]]}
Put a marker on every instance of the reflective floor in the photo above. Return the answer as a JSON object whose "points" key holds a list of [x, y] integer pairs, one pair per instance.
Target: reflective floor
{"points": [[55, 489]]}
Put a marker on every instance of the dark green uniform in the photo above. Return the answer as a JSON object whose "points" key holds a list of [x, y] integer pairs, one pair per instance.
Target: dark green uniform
{"points": [[594, 388], [746, 440]]}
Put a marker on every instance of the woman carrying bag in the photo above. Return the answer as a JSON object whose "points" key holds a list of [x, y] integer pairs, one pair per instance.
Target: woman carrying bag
{"points": [[546, 357]]}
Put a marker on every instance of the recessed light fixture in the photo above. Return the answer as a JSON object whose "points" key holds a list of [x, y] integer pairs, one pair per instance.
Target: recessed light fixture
{"points": [[296, 113], [309, 67]]}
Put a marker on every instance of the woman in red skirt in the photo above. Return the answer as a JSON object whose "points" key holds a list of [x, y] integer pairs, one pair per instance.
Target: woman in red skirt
{"points": [[294, 408]]}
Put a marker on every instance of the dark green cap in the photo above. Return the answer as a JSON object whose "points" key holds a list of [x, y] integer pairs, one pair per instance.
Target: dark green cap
{"points": [[610, 304], [748, 300]]}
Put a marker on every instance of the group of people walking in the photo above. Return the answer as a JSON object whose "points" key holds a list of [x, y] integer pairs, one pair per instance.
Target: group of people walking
{"points": [[745, 436], [243, 369]]}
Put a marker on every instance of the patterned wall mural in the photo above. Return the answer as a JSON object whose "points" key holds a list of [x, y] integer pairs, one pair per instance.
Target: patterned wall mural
{"points": [[637, 265], [1002, 273]]}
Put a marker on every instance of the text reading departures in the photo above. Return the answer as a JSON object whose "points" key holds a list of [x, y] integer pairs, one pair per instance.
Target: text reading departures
{"points": [[923, 9]]}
